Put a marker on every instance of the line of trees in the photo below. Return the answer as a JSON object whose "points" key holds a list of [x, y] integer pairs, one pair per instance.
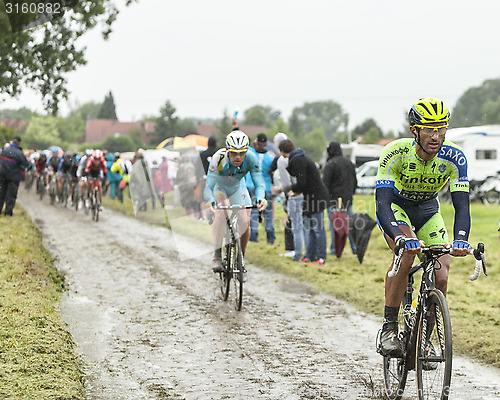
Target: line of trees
{"points": [[310, 125]]}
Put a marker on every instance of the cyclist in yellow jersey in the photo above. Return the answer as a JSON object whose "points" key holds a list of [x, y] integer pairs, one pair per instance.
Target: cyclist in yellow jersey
{"points": [[411, 173]]}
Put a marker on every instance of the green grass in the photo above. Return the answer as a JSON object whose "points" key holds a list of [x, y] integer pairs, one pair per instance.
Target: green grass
{"points": [[474, 306], [37, 357]]}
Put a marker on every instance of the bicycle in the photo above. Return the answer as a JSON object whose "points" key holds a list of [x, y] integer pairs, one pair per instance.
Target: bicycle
{"points": [[232, 255], [424, 329], [65, 192], [75, 198], [52, 188], [41, 185], [95, 204]]}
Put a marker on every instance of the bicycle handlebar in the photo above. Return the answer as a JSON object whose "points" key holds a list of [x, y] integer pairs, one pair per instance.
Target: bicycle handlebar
{"points": [[478, 254], [234, 207]]}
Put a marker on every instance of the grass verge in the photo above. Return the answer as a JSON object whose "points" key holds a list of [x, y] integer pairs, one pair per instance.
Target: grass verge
{"points": [[37, 357], [474, 306]]}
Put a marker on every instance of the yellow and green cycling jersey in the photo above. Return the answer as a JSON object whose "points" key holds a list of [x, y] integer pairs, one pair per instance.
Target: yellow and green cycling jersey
{"points": [[407, 189], [414, 179]]}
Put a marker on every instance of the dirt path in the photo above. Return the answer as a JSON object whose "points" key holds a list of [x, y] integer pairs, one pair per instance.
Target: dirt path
{"points": [[153, 327]]}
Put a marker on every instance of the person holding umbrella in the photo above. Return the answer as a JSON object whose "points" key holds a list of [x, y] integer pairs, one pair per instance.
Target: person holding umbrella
{"points": [[410, 174], [339, 177]]}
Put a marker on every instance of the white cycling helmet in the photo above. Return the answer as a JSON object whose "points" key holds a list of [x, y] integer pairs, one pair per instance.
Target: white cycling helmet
{"points": [[237, 141]]}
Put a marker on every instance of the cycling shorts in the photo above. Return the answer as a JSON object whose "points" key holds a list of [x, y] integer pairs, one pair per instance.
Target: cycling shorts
{"points": [[63, 175], [424, 219], [96, 173], [238, 196]]}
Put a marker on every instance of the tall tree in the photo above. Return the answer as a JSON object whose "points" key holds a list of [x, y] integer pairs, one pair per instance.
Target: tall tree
{"points": [[327, 115], [369, 129], [477, 106], [224, 126], [6, 134], [41, 133], [108, 108], [314, 143], [166, 124], [22, 113], [71, 128], [277, 126], [261, 115], [38, 50], [88, 110]]}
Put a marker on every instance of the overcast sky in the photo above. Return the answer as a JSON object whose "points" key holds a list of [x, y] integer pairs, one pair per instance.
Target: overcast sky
{"points": [[373, 57]]}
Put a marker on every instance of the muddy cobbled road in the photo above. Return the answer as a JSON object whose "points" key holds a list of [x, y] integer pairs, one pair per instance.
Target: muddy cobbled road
{"points": [[150, 324]]}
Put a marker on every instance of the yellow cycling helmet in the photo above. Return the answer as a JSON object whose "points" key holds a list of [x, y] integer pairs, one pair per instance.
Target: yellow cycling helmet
{"points": [[428, 110]]}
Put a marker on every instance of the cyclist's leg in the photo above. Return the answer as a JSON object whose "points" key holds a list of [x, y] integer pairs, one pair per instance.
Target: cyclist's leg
{"points": [[433, 232], [390, 344], [238, 197], [219, 224]]}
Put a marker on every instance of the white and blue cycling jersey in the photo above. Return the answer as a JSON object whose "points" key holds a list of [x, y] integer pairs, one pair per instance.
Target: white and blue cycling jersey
{"points": [[226, 178]]}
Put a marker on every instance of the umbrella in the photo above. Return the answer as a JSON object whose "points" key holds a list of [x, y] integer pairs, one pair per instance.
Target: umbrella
{"points": [[56, 149], [361, 226], [340, 228], [176, 143]]}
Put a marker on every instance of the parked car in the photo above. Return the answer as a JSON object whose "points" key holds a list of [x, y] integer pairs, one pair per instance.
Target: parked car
{"points": [[366, 175]]}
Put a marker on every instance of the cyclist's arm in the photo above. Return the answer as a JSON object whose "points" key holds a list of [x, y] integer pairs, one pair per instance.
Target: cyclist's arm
{"points": [[385, 216], [461, 225], [258, 182]]}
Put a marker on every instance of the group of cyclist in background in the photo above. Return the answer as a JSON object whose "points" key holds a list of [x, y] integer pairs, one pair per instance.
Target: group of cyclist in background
{"points": [[77, 171]]}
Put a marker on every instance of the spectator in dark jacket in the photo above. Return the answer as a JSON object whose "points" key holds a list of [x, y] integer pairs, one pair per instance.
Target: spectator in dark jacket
{"points": [[201, 174], [206, 155], [13, 165], [315, 198], [339, 177]]}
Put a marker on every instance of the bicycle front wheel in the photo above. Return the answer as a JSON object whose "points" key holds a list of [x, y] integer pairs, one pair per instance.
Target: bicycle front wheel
{"points": [[434, 349], [238, 278], [225, 276]]}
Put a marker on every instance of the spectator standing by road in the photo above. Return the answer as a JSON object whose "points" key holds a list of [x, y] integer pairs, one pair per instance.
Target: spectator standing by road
{"points": [[265, 160], [206, 155], [293, 206], [13, 165], [201, 173], [316, 198], [114, 177], [339, 177], [186, 182], [165, 184]]}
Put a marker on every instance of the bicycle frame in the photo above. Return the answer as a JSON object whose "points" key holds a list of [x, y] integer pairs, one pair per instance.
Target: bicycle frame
{"points": [[232, 255]]}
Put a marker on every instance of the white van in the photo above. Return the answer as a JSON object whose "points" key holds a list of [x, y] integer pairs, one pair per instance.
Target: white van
{"points": [[481, 145]]}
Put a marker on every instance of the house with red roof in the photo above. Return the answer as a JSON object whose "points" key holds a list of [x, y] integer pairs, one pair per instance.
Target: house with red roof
{"points": [[99, 129]]}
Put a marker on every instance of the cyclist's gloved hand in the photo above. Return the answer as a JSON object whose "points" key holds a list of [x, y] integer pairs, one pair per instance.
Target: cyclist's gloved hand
{"points": [[461, 244], [261, 204], [410, 243]]}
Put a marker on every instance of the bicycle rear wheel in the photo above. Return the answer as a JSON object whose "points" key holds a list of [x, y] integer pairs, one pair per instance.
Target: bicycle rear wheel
{"points": [[396, 368], [52, 192], [434, 349], [225, 276], [238, 275]]}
